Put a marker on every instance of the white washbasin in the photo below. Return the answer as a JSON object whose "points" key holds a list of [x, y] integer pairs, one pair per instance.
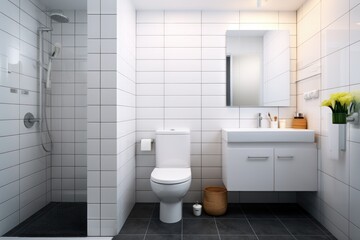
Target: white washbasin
{"points": [[250, 135]]}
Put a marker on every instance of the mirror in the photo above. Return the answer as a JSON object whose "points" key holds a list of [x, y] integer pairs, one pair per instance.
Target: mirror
{"points": [[257, 68]]}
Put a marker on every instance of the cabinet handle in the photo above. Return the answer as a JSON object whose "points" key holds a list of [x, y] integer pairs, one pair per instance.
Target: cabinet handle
{"points": [[285, 157], [258, 158]]}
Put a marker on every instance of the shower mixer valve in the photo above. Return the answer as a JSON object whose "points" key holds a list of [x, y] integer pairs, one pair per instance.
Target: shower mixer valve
{"points": [[30, 120]]}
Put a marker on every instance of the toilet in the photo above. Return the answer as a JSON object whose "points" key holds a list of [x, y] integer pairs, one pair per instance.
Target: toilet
{"points": [[171, 178]]}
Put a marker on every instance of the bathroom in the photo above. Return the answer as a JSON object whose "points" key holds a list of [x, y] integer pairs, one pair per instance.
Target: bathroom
{"points": [[114, 73]]}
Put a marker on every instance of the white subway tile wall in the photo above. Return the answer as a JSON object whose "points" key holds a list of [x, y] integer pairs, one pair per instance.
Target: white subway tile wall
{"points": [[180, 83], [111, 115], [328, 54], [68, 109], [25, 173]]}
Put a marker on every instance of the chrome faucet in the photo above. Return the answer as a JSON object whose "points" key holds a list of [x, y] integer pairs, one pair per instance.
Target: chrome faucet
{"points": [[259, 118]]}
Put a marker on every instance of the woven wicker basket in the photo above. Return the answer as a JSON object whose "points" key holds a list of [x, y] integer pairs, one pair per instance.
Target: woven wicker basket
{"points": [[215, 200]]}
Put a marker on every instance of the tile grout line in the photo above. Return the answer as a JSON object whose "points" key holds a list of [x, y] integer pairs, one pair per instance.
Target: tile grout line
{"points": [[317, 225], [305, 218], [151, 217], [247, 219], [217, 229], [276, 216]]}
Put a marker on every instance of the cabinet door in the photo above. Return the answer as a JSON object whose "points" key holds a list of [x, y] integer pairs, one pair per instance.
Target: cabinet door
{"points": [[296, 169], [250, 169]]}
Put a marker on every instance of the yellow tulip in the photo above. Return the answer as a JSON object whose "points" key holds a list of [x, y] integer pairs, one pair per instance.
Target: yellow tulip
{"points": [[339, 102], [336, 96], [326, 103], [346, 100]]}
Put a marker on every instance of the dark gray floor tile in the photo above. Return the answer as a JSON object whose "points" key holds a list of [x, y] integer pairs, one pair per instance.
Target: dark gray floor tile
{"points": [[158, 227], [129, 237], [199, 226], [201, 237], [313, 238], [268, 227], [135, 226], [54, 220], [321, 226], [163, 237], [233, 212], [188, 212], [142, 210], [288, 211], [234, 237], [234, 227], [331, 237], [302, 227], [156, 213], [276, 238], [283, 205], [257, 211]]}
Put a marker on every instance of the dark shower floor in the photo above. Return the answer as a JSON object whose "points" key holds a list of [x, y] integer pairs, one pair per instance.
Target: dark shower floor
{"points": [[54, 220]]}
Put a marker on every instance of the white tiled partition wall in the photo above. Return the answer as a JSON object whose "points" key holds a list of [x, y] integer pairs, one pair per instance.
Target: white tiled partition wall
{"points": [[125, 104], [180, 82], [328, 60], [68, 109], [24, 166], [111, 115]]}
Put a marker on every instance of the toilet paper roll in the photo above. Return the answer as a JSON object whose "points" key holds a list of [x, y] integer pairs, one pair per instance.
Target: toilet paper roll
{"points": [[146, 144]]}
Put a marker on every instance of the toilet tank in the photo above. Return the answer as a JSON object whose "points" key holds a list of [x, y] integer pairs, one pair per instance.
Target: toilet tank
{"points": [[173, 148]]}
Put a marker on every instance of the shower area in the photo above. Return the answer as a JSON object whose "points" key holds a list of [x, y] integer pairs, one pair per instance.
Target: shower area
{"points": [[43, 119]]}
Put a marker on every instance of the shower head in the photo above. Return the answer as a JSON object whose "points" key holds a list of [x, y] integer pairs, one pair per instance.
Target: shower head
{"points": [[59, 17], [56, 50]]}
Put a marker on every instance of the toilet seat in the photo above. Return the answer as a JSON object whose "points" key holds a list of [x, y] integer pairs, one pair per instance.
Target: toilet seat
{"points": [[171, 175]]}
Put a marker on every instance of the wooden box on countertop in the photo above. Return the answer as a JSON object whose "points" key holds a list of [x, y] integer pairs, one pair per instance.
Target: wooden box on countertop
{"points": [[299, 123]]}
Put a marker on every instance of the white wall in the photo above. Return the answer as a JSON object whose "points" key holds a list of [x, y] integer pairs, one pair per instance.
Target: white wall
{"points": [[180, 65], [328, 59], [24, 166], [68, 110], [126, 25], [111, 103]]}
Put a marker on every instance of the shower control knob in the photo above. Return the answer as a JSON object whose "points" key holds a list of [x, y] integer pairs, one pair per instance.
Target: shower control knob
{"points": [[30, 120]]}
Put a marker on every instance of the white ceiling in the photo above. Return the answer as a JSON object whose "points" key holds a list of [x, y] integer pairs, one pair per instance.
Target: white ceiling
{"points": [[64, 4], [267, 5]]}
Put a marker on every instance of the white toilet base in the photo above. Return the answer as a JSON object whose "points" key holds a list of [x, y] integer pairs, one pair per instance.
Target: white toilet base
{"points": [[170, 212]]}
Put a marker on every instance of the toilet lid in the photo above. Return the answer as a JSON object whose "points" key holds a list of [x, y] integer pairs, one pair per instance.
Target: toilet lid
{"points": [[171, 175]]}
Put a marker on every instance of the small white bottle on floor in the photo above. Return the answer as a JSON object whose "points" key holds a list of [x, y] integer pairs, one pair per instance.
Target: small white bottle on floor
{"points": [[197, 209]]}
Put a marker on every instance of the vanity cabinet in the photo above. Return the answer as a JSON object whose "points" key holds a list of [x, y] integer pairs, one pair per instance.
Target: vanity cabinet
{"points": [[249, 169], [269, 166], [295, 168]]}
